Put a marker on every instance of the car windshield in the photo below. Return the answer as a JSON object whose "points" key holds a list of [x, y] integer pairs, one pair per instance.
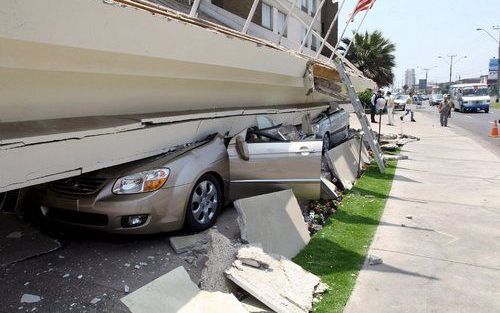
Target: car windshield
{"points": [[439, 97], [401, 97], [475, 91]]}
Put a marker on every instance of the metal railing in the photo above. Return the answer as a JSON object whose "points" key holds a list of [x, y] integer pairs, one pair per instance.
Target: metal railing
{"points": [[309, 27]]}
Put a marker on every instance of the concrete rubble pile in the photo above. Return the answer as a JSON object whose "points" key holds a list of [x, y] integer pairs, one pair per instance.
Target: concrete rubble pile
{"points": [[391, 142], [176, 292], [274, 283], [277, 282], [254, 274]]}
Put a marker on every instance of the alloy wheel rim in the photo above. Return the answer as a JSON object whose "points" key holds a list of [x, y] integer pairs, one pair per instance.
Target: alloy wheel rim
{"points": [[205, 201]]}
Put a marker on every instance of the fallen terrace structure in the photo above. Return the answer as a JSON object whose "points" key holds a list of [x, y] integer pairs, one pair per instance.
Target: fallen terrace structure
{"points": [[130, 79]]}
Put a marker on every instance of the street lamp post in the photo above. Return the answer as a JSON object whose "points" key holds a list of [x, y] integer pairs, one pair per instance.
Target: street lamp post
{"points": [[497, 28]]}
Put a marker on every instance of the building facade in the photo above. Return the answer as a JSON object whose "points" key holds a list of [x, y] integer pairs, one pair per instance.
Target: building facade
{"points": [[270, 17], [410, 78]]}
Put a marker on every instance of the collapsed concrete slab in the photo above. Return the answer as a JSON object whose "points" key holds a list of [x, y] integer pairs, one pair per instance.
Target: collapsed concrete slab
{"points": [[176, 292], [344, 161], [329, 189], [221, 254], [182, 244], [19, 240], [389, 157], [255, 306], [284, 286], [274, 221]]}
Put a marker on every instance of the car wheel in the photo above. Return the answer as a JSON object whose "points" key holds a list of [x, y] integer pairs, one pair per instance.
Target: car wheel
{"points": [[205, 203], [326, 143], [486, 110]]}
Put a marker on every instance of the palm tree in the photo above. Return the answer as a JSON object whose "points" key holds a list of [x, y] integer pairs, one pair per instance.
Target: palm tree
{"points": [[373, 55]]}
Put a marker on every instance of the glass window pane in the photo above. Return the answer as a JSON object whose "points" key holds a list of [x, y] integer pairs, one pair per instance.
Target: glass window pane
{"points": [[267, 16], [313, 7], [281, 22], [304, 5]]}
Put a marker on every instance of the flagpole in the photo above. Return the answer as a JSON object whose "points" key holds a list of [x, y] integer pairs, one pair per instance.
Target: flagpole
{"points": [[356, 32], [330, 28], [351, 19]]}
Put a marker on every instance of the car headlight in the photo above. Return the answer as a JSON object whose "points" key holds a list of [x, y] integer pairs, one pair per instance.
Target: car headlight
{"points": [[146, 181]]}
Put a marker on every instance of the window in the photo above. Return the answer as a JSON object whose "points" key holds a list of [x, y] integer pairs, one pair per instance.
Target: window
{"points": [[314, 43], [304, 32], [304, 5], [281, 23], [267, 16], [313, 7]]}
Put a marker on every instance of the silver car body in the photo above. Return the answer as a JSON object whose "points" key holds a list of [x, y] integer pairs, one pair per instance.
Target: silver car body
{"points": [[335, 125]]}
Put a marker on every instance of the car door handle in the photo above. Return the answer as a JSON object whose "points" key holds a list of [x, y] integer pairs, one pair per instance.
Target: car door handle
{"points": [[305, 150]]}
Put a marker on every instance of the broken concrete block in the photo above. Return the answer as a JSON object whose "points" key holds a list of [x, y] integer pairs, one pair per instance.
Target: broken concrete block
{"points": [[389, 157], [176, 292], [182, 244], [344, 162], [19, 240], [275, 221], [374, 260], [253, 256], [284, 287], [389, 147], [255, 306], [329, 189], [28, 298], [221, 254]]}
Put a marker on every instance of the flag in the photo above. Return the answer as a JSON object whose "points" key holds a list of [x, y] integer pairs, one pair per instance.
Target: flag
{"points": [[362, 5]]}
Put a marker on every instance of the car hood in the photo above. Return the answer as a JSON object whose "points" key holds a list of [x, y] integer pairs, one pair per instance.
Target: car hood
{"points": [[150, 163]]}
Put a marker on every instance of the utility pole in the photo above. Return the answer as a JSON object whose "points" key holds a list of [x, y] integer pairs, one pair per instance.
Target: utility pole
{"points": [[451, 63], [497, 28]]}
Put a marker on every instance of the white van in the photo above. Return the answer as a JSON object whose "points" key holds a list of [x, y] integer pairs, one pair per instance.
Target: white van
{"points": [[470, 97]]}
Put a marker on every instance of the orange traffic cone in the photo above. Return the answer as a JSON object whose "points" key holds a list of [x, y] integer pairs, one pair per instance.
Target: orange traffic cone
{"points": [[494, 130]]}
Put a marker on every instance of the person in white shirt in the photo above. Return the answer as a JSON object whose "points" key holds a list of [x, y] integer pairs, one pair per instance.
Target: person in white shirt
{"points": [[390, 108]]}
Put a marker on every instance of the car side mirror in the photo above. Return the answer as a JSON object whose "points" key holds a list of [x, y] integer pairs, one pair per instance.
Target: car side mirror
{"points": [[242, 148]]}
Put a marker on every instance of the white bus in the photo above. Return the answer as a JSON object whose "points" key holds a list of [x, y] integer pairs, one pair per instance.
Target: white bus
{"points": [[470, 97]]}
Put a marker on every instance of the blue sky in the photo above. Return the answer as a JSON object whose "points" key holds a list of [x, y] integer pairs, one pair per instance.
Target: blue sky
{"points": [[424, 29]]}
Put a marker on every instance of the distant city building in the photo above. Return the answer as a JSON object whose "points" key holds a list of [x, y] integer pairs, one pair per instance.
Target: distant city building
{"points": [[410, 77]]}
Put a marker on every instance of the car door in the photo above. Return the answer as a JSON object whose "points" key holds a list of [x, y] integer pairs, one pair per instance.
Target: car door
{"points": [[263, 167]]}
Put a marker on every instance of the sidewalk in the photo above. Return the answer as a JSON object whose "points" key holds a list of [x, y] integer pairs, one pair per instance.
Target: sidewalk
{"points": [[447, 257]]}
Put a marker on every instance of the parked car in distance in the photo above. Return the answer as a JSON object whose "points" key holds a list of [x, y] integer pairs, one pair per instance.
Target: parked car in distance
{"points": [[436, 99], [187, 186], [417, 99], [331, 128], [400, 102], [425, 97]]}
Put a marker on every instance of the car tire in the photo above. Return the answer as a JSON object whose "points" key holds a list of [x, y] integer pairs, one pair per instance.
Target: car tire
{"points": [[486, 110], [205, 203], [326, 143]]}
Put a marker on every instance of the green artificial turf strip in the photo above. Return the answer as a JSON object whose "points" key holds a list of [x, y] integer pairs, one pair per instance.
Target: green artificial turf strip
{"points": [[337, 252]]}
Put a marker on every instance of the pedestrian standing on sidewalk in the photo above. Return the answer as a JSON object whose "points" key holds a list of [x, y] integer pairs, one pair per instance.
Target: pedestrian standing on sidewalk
{"points": [[444, 109], [390, 108], [373, 107], [410, 108]]}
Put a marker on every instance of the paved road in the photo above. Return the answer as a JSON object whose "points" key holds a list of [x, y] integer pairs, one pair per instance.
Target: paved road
{"points": [[96, 266], [477, 125], [446, 257]]}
